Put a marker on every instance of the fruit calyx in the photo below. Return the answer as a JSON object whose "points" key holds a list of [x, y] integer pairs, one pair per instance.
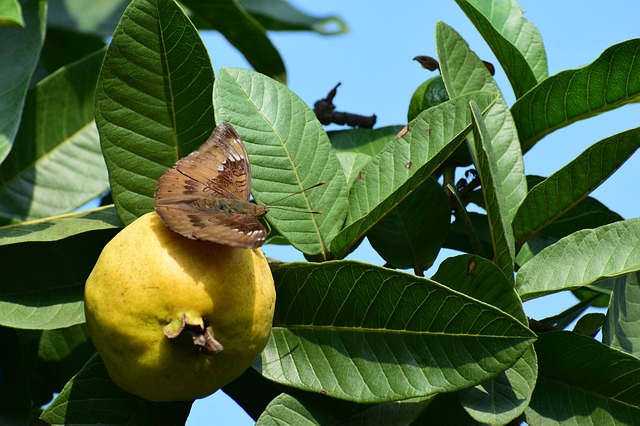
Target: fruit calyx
{"points": [[192, 330]]}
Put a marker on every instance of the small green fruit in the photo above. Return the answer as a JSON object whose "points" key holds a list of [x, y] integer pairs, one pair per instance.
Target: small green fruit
{"points": [[176, 319]]}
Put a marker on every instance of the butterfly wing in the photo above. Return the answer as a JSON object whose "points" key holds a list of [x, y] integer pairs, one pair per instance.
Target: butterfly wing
{"points": [[236, 225], [205, 195], [218, 169]]}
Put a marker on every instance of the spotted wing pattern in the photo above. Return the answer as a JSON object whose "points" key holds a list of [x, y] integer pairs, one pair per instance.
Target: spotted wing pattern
{"points": [[205, 196]]}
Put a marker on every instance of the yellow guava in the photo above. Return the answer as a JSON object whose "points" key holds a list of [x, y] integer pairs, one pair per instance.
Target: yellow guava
{"points": [[175, 319]]}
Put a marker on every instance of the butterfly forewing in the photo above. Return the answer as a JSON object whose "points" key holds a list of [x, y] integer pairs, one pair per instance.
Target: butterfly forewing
{"points": [[219, 168], [205, 195]]}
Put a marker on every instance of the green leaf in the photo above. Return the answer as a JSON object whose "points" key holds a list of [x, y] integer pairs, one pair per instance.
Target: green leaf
{"points": [[379, 335], [153, 100], [515, 41], [588, 213], [15, 401], [561, 191], [464, 219], [243, 31], [11, 13], [40, 390], [307, 409], [458, 238], [589, 324], [289, 151], [620, 329], [582, 258], [252, 392], [446, 408], [404, 165], [59, 227], [50, 295], [356, 147], [413, 233], [56, 165], [504, 397], [90, 17], [606, 83], [92, 398], [430, 93], [463, 72], [19, 51], [581, 381], [397, 413], [63, 352], [302, 410], [62, 47], [483, 280], [493, 191], [279, 15]]}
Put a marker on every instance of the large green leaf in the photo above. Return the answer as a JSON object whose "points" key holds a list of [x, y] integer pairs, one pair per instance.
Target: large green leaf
{"points": [[60, 227], [380, 335], [413, 233], [91, 398], [494, 195], [581, 381], [304, 409], [608, 82], [568, 186], [50, 295], [280, 15], [463, 72], [56, 165], [515, 41], [153, 100], [582, 258], [243, 31], [62, 47], [289, 151], [19, 51], [504, 397], [404, 165], [620, 329]]}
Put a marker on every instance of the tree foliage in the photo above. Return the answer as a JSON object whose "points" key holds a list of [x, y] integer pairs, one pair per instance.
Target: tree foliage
{"points": [[352, 342]]}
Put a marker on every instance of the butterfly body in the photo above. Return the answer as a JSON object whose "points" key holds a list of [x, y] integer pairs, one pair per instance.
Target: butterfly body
{"points": [[205, 196]]}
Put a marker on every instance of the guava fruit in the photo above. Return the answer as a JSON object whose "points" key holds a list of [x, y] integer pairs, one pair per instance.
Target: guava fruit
{"points": [[175, 319]]}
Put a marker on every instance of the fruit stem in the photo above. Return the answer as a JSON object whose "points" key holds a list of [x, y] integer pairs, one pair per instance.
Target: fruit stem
{"points": [[198, 333]]}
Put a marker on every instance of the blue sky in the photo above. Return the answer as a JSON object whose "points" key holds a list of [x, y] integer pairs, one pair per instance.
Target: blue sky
{"points": [[374, 63]]}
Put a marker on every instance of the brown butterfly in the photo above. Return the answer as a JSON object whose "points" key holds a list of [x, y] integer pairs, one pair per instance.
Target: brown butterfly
{"points": [[205, 196]]}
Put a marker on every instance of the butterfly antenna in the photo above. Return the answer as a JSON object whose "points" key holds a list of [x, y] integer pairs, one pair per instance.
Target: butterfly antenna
{"points": [[292, 210], [296, 193]]}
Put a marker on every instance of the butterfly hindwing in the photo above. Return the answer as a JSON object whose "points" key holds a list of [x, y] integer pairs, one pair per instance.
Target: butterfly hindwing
{"points": [[196, 222], [205, 196]]}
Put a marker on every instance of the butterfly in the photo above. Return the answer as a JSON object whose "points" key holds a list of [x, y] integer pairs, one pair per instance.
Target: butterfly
{"points": [[205, 196]]}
